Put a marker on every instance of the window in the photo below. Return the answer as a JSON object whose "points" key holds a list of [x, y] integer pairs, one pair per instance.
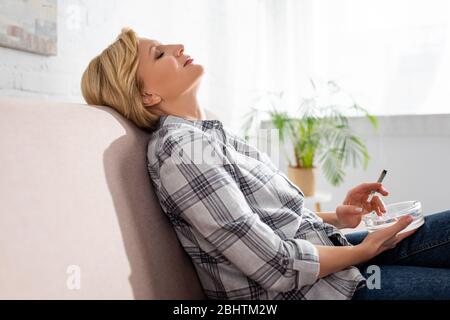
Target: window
{"points": [[391, 55]]}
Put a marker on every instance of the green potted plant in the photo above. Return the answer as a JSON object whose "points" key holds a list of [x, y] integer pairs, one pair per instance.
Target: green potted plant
{"points": [[320, 134]]}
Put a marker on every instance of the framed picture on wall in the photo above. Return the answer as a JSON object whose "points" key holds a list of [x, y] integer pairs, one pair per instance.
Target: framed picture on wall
{"points": [[29, 25]]}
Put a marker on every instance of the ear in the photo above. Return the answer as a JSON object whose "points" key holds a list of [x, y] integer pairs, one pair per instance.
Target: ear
{"points": [[150, 99]]}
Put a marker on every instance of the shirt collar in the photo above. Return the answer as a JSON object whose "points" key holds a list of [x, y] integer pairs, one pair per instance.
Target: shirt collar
{"points": [[165, 120]]}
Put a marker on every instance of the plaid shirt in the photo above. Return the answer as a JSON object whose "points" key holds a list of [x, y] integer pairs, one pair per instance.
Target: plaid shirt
{"points": [[239, 218]]}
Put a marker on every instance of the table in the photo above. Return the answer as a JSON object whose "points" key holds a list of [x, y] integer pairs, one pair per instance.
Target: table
{"points": [[316, 200]]}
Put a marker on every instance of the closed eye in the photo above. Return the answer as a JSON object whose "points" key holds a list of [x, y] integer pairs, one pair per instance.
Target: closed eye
{"points": [[162, 53]]}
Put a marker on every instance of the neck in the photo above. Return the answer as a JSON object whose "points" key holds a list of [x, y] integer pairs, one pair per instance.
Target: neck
{"points": [[185, 106]]}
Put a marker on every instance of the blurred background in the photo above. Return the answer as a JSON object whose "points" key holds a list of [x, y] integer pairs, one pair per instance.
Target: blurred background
{"points": [[390, 56]]}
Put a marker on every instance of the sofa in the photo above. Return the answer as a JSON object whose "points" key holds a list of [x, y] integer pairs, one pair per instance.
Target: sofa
{"points": [[78, 216]]}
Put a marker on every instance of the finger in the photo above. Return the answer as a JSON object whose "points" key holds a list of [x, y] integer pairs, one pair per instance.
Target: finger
{"points": [[391, 243], [401, 224], [375, 207], [404, 235], [375, 186], [353, 209], [378, 204], [376, 210], [367, 206]]}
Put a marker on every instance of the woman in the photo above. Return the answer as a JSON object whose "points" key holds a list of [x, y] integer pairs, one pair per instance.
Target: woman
{"points": [[238, 217]]}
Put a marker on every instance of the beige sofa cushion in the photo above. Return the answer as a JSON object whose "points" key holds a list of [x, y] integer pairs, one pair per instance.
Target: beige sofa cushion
{"points": [[75, 191]]}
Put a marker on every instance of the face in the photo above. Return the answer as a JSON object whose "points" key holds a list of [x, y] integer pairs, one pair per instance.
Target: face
{"points": [[161, 68]]}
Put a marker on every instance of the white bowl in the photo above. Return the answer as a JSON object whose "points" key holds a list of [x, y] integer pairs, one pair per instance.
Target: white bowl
{"points": [[394, 211]]}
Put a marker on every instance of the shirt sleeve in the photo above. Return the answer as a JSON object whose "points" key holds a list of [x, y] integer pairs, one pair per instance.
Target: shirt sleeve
{"points": [[201, 184]]}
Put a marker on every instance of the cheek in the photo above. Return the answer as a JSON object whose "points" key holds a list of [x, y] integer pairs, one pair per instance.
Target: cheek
{"points": [[167, 71]]}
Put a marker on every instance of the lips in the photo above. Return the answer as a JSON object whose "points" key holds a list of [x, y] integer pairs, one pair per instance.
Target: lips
{"points": [[188, 61]]}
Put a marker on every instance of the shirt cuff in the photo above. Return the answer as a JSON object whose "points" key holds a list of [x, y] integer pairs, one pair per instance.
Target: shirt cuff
{"points": [[307, 264]]}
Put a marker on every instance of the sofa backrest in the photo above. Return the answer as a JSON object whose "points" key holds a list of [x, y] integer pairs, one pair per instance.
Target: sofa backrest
{"points": [[78, 216]]}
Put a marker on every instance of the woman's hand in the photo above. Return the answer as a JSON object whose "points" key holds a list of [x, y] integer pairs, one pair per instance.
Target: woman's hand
{"points": [[384, 239], [359, 197], [333, 259], [348, 216]]}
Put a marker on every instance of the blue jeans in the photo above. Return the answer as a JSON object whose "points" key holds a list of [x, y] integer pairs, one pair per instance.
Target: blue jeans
{"points": [[417, 268]]}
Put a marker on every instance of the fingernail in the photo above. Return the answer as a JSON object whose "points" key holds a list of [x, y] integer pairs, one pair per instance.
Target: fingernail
{"points": [[358, 209]]}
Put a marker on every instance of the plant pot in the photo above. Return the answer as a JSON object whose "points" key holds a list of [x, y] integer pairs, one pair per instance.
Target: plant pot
{"points": [[304, 179]]}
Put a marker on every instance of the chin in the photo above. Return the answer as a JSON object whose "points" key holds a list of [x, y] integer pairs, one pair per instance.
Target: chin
{"points": [[200, 68]]}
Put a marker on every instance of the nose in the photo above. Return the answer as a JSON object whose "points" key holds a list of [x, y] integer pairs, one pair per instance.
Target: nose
{"points": [[179, 50]]}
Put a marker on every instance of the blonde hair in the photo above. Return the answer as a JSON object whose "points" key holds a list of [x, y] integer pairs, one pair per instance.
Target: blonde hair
{"points": [[111, 80]]}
